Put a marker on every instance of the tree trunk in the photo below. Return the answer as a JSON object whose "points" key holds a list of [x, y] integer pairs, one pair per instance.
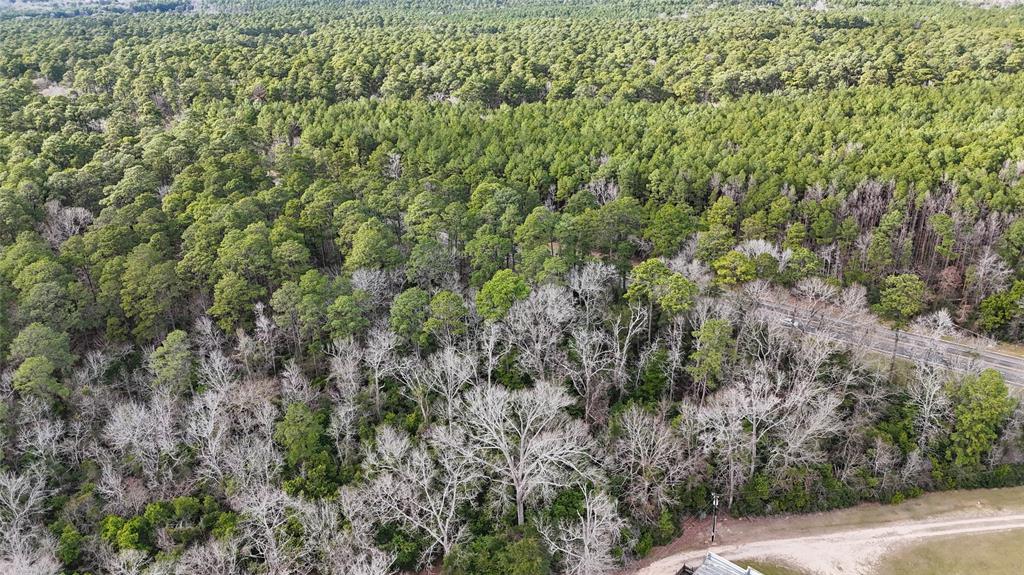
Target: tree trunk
{"points": [[753, 450], [520, 511], [376, 396]]}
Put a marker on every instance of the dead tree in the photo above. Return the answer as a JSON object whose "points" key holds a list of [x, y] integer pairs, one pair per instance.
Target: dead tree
{"points": [[585, 545], [523, 439]]}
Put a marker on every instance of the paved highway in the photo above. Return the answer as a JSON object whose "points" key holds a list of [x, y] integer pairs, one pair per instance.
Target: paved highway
{"points": [[919, 348]]}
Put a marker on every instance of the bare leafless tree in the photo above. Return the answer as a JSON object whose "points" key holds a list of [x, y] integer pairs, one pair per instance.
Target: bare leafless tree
{"points": [[63, 222], [208, 429], [584, 546], [213, 557], [444, 375], [988, 275], [345, 357], [22, 496], [767, 338], [207, 335], [31, 559], [811, 420], [686, 263], [380, 285], [379, 358], [40, 432], [789, 414], [724, 436], [675, 343], [122, 494], [627, 331], [709, 308], [421, 491], [936, 324], [928, 394], [818, 295], [264, 514], [412, 374], [590, 366], [493, 345], [126, 562], [523, 439], [345, 373], [150, 435], [536, 327], [257, 351], [652, 458], [603, 189], [893, 470], [592, 285], [295, 387], [252, 459], [7, 398], [333, 547]]}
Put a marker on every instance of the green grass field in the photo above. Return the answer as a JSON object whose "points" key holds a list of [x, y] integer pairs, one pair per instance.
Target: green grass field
{"points": [[769, 568], [988, 554]]}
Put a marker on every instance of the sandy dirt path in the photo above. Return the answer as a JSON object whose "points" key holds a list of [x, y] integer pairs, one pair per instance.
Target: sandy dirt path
{"points": [[853, 552], [845, 542]]}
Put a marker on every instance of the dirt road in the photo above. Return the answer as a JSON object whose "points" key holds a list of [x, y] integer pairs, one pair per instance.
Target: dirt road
{"points": [[847, 542], [847, 552]]}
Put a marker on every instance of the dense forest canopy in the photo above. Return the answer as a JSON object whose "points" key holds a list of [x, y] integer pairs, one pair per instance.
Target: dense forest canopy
{"points": [[357, 287]]}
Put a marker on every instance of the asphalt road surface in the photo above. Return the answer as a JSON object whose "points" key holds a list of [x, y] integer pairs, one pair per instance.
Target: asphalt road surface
{"points": [[919, 348]]}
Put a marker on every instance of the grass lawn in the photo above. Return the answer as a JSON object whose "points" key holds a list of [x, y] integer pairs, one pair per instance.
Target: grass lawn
{"points": [[1010, 349], [928, 506], [770, 568], [986, 553]]}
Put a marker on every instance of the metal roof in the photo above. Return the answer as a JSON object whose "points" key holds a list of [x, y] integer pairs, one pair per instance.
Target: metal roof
{"points": [[716, 565]]}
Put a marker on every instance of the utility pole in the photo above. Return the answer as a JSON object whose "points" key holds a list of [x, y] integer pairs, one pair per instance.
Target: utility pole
{"points": [[714, 520]]}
